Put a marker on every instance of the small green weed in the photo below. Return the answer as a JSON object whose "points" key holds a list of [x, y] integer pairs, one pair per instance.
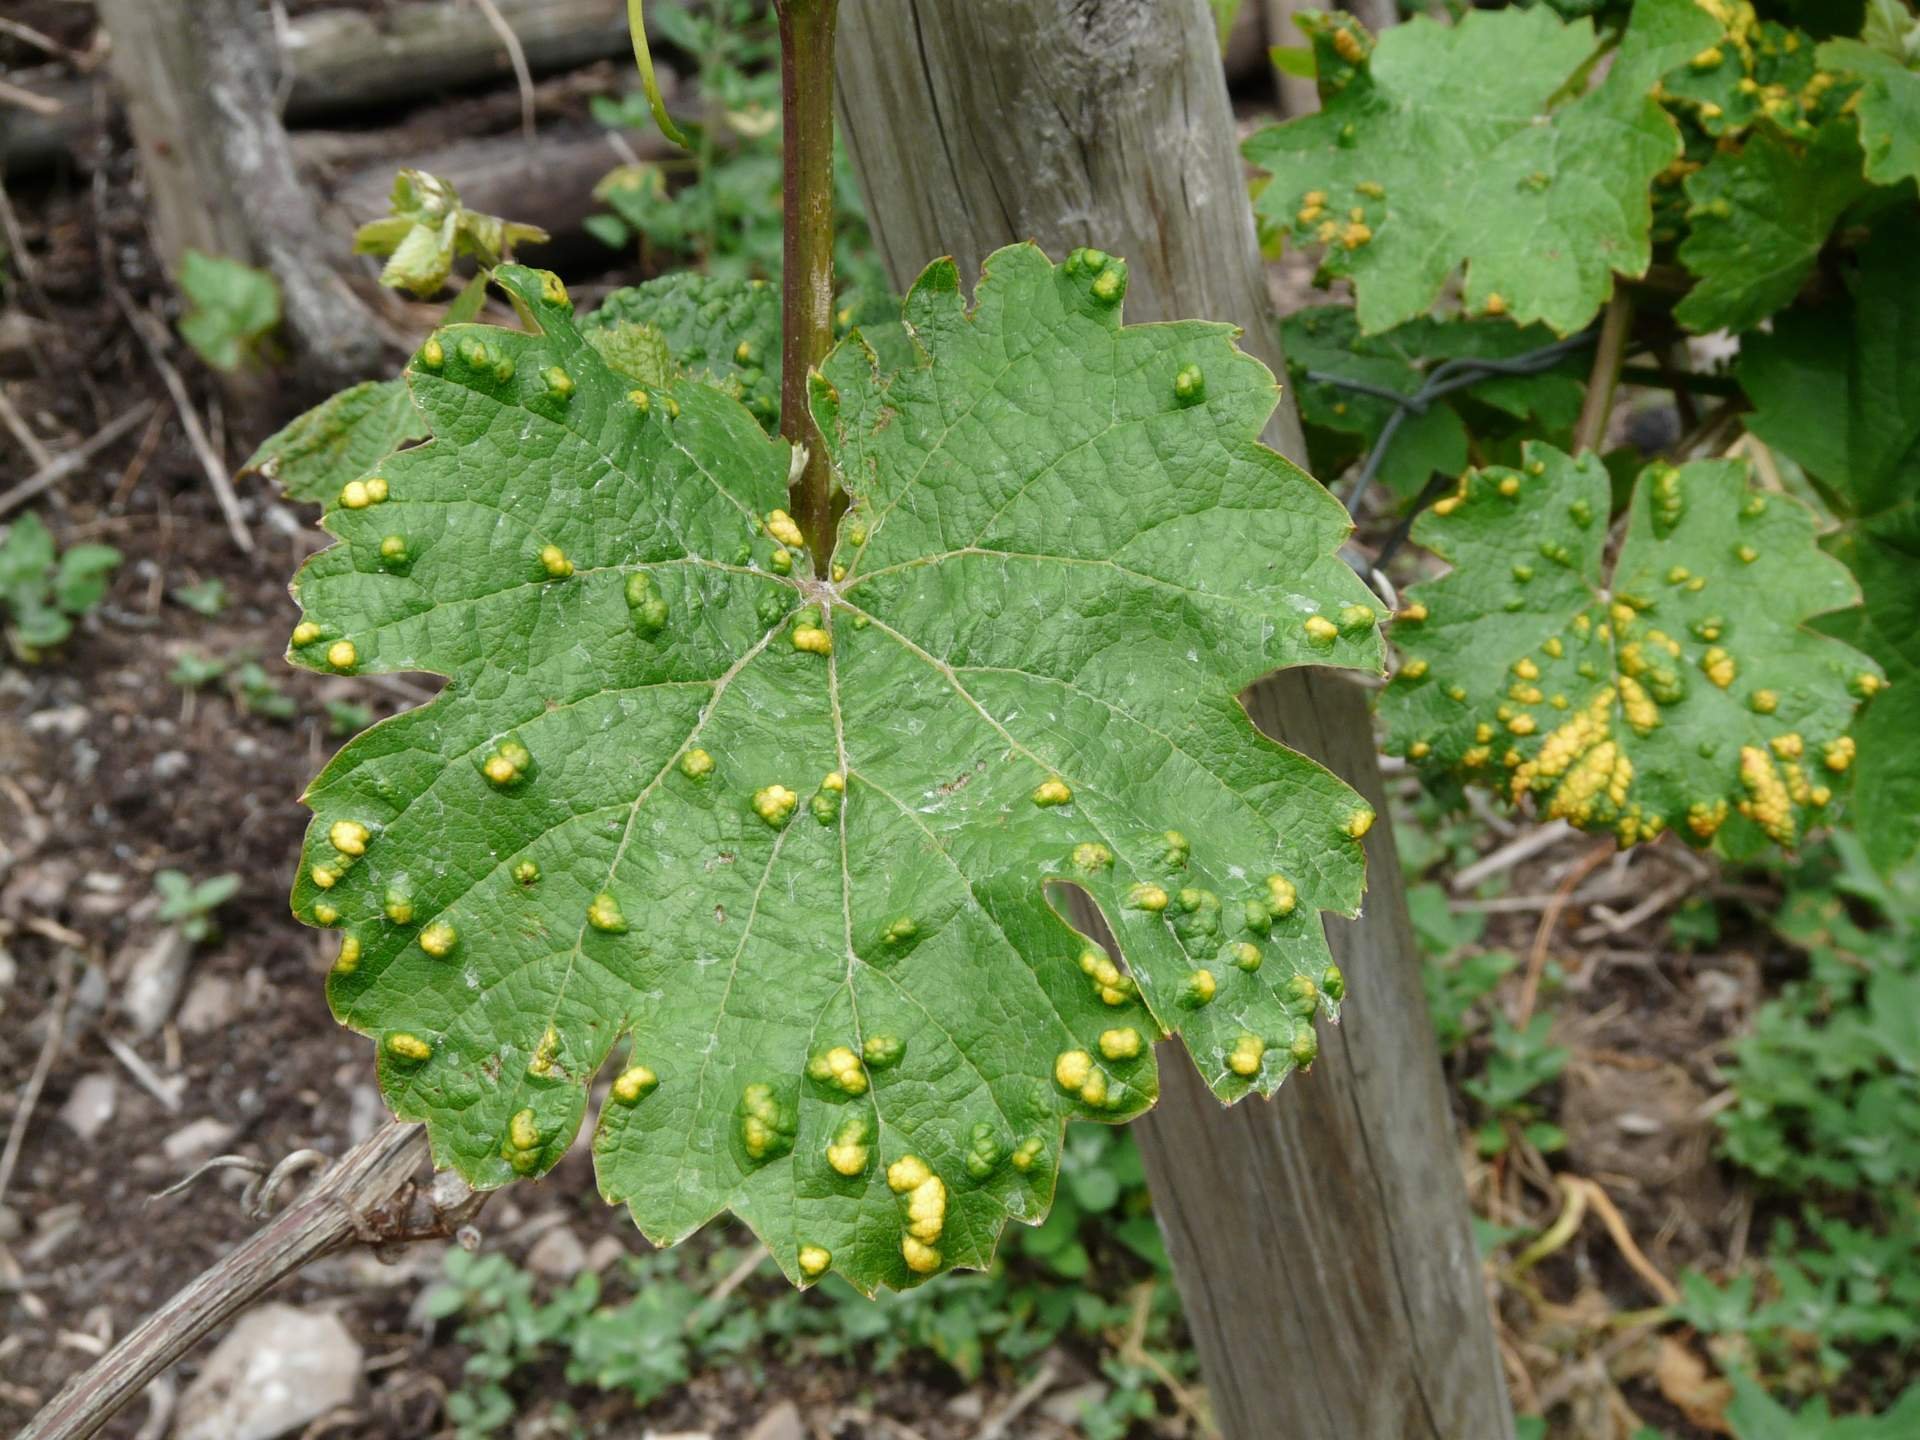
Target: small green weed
{"points": [[233, 309], [204, 597], [189, 905], [194, 671], [1094, 1272], [43, 589], [257, 693]]}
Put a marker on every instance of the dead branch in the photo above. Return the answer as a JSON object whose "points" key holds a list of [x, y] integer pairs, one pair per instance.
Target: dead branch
{"points": [[369, 1195]]}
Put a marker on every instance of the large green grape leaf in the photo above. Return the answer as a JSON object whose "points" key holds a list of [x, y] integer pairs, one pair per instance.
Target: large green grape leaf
{"points": [[788, 842], [1675, 688], [1437, 148], [339, 440], [1831, 387], [1887, 107], [726, 332], [1759, 215]]}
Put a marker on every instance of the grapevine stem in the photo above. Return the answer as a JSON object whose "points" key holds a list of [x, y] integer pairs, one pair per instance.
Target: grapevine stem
{"points": [[806, 109], [1591, 428]]}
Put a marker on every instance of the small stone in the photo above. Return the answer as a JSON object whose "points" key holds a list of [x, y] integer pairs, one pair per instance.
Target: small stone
{"points": [[279, 1369], [199, 1140], [152, 978], [780, 1423], [558, 1254], [91, 1104]]}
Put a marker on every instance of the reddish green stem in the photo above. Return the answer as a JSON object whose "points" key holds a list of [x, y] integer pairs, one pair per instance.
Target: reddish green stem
{"points": [[806, 107]]}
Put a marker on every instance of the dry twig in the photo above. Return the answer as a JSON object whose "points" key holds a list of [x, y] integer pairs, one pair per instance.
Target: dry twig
{"points": [[49, 1051], [55, 469]]}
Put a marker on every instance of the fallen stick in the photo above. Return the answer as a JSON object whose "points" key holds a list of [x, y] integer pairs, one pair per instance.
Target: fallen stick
{"points": [[61, 466], [143, 328]]}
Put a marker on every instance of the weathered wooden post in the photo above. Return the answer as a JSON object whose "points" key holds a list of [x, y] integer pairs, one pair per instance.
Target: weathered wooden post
{"points": [[198, 77], [1320, 1240]]}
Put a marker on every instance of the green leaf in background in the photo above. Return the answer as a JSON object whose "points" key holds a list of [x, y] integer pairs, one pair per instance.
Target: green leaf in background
{"points": [[234, 307], [725, 332], [427, 228], [1755, 1415], [1420, 161], [339, 440], [1831, 388], [1888, 107], [788, 843], [1675, 689], [1325, 340], [1759, 217]]}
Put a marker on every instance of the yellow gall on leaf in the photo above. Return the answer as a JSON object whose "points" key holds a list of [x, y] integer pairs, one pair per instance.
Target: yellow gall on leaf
{"points": [[1745, 554], [342, 655], [814, 1260], [1027, 1152], [1247, 1055], [305, 633], [781, 527], [1147, 896], [1412, 614], [774, 804], [1200, 988], [354, 496], [349, 837], [410, 1048], [348, 959], [1054, 791], [1509, 486], [324, 876], [910, 1170], [1767, 804], [1120, 1044], [1494, 304], [1071, 1070], [604, 914], [813, 639], [1359, 822], [848, 1153], [438, 939], [1320, 630], [696, 764], [1866, 685], [1419, 750], [1838, 754], [554, 561], [325, 914], [1091, 856], [1355, 234], [1718, 666], [433, 355], [1764, 702], [1282, 895], [924, 1259], [634, 1084], [841, 1068]]}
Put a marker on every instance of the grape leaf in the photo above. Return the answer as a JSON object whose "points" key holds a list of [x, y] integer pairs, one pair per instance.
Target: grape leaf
{"points": [[1760, 215], [340, 439], [1887, 106], [789, 841], [1756, 72], [1674, 689], [1325, 340], [1829, 389], [1419, 161], [726, 332]]}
